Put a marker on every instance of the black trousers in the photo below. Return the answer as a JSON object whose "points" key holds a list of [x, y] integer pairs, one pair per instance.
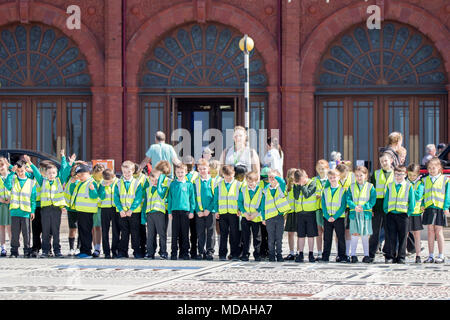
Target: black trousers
{"points": [[143, 237], [20, 225], [130, 226], [156, 225], [410, 243], [339, 227], [275, 229], [110, 219], [264, 241], [397, 228], [193, 235], [378, 221], [85, 225], [205, 233], [250, 228], [180, 232], [229, 226], [51, 222], [36, 228]]}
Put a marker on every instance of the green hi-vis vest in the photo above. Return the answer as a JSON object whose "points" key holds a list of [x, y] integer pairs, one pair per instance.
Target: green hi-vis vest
{"points": [[5, 194], [198, 188], [417, 207], [398, 201], [154, 201], [319, 189], [275, 204], [228, 200], [252, 204], [333, 202], [80, 200], [127, 197], [381, 182], [360, 197], [67, 191], [434, 193], [52, 195], [108, 202], [21, 197]]}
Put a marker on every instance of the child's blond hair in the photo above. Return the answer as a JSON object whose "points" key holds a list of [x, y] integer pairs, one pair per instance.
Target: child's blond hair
{"points": [[128, 164]]}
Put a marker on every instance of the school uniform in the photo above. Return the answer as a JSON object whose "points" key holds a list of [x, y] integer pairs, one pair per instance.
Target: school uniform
{"points": [[143, 180], [415, 220], [52, 201], [320, 185], [71, 214], [274, 205], [5, 195], [191, 176], [181, 202], [436, 198], [204, 196], [109, 219], [226, 197], [84, 201], [379, 179], [305, 204], [398, 204], [128, 196], [250, 201], [22, 205], [264, 237], [334, 204]]}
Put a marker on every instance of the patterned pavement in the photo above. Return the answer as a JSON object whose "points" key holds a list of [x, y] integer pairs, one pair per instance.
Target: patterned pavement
{"points": [[100, 279]]}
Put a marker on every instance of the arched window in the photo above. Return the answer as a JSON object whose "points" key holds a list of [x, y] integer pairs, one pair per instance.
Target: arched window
{"points": [[372, 82], [44, 91]]}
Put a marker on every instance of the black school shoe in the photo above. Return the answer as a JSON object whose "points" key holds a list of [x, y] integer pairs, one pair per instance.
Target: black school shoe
{"points": [[418, 260], [271, 258], [280, 258], [299, 257], [244, 258], [290, 257], [257, 258], [311, 257], [401, 261], [354, 259], [366, 259]]}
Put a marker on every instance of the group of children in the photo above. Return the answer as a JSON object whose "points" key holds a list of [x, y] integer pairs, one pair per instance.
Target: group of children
{"points": [[241, 208]]}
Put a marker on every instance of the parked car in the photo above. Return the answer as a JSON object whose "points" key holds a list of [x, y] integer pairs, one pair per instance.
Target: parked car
{"points": [[13, 155], [444, 156]]}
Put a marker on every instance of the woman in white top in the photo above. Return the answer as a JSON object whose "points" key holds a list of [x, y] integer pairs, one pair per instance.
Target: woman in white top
{"points": [[241, 154], [274, 157]]}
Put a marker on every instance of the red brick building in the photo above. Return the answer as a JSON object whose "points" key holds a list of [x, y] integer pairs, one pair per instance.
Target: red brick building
{"points": [[317, 73]]}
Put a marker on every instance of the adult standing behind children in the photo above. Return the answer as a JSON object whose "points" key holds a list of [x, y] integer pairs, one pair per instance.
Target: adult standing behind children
{"points": [[395, 141], [240, 154], [274, 157], [160, 151]]}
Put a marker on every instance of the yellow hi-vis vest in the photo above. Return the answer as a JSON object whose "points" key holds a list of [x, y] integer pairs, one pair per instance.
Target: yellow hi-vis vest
{"points": [[67, 191], [417, 207], [21, 196], [154, 201], [381, 182], [5, 194], [52, 195], [194, 177], [80, 200], [360, 197], [252, 204], [434, 193], [108, 202], [398, 201], [319, 189], [228, 200], [127, 197], [275, 204], [198, 188], [38, 191], [348, 181], [308, 204], [333, 202]]}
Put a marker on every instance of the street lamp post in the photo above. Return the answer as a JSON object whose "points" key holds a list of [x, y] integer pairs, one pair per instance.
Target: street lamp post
{"points": [[246, 45]]}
